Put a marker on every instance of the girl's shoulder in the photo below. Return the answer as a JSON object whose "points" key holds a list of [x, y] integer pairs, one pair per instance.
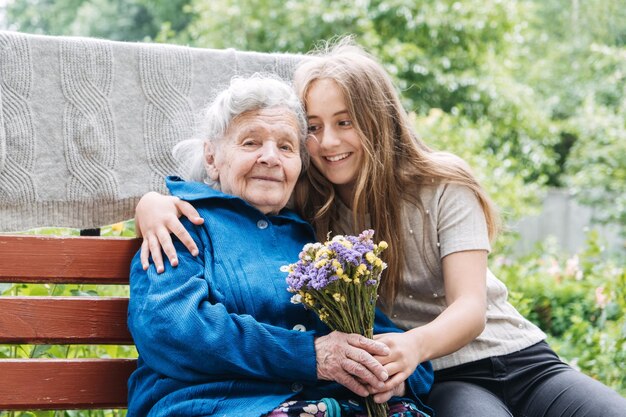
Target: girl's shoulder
{"points": [[434, 193]]}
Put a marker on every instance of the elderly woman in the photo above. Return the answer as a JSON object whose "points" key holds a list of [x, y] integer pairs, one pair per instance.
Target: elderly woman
{"points": [[218, 335]]}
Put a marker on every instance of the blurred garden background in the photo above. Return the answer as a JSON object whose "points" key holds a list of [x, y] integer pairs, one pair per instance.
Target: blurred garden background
{"points": [[532, 93]]}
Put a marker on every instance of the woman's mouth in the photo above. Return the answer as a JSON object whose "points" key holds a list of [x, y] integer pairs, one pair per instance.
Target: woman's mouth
{"points": [[267, 178]]}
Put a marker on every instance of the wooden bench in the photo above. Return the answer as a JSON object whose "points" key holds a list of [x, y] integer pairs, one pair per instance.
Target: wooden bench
{"points": [[64, 383]]}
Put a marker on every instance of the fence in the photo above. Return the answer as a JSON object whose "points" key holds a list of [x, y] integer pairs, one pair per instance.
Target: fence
{"points": [[567, 221]]}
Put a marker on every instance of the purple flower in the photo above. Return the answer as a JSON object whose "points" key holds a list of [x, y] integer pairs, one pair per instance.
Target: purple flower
{"points": [[346, 255], [322, 277]]}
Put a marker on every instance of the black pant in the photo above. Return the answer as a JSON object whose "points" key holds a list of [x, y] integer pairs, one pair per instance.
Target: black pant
{"points": [[530, 383]]}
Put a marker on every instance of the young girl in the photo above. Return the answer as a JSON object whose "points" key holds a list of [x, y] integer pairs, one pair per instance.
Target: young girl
{"points": [[369, 169]]}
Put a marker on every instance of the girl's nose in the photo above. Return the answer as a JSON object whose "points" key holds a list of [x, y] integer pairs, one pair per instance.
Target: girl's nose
{"points": [[328, 139]]}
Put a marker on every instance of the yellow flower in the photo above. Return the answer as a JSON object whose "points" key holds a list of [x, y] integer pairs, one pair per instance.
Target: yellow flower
{"points": [[338, 297], [323, 315], [383, 245], [320, 253], [308, 299], [356, 280], [117, 227], [321, 263], [370, 257], [360, 270], [346, 243]]}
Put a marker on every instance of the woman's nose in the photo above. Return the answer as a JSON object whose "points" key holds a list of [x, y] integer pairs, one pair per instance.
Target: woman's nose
{"points": [[269, 154]]}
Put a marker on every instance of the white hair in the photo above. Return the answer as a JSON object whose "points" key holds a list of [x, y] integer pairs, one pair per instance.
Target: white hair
{"points": [[259, 91]]}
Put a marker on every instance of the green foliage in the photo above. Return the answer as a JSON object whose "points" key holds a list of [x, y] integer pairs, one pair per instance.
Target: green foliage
{"points": [[129, 20], [579, 301], [597, 162]]}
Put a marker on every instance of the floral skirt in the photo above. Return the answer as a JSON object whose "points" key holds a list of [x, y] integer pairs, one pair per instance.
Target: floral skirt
{"points": [[329, 407]]}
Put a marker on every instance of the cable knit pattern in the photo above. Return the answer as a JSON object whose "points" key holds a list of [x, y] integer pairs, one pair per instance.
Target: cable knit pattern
{"points": [[17, 138], [88, 129], [168, 117], [87, 125]]}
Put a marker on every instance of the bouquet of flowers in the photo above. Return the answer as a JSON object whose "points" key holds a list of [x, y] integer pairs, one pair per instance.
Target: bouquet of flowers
{"points": [[339, 281]]}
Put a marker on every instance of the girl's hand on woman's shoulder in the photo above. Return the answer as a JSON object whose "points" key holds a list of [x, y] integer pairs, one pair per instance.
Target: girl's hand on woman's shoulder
{"points": [[156, 216]]}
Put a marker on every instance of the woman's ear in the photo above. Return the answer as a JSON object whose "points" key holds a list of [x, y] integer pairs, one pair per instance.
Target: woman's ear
{"points": [[209, 161]]}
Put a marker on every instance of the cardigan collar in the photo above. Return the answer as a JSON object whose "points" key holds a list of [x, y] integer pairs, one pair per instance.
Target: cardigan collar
{"points": [[198, 191]]}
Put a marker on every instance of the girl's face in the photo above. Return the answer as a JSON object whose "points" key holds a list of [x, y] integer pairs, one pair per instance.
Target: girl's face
{"points": [[336, 149]]}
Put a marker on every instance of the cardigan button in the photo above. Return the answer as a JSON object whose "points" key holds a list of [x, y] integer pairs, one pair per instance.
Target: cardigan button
{"points": [[296, 387], [262, 224], [299, 327]]}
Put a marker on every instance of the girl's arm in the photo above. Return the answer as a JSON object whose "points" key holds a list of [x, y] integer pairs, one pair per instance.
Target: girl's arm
{"points": [[465, 317], [460, 323], [156, 216]]}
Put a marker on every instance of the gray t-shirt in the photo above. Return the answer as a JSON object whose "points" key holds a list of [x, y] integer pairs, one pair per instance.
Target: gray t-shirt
{"points": [[455, 222]]}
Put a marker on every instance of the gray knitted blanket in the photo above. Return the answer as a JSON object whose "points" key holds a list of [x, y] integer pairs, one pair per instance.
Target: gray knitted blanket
{"points": [[87, 125]]}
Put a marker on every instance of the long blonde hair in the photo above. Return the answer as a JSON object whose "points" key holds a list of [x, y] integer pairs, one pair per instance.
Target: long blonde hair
{"points": [[395, 161]]}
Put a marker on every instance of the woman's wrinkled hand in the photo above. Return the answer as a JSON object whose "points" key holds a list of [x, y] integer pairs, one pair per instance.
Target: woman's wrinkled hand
{"points": [[156, 216], [349, 360]]}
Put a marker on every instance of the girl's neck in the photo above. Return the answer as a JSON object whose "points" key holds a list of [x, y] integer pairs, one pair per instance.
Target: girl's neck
{"points": [[346, 194]]}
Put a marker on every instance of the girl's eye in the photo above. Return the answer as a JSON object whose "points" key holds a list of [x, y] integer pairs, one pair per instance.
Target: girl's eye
{"points": [[345, 123], [313, 128]]}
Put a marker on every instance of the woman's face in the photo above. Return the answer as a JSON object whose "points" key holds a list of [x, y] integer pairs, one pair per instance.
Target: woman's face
{"points": [[337, 150], [258, 159]]}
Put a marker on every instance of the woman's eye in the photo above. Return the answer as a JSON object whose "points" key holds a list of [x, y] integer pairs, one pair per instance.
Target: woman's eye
{"points": [[248, 143]]}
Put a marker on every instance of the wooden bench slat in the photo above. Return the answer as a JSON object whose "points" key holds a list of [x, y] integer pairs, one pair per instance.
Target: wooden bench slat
{"points": [[64, 384], [66, 259], [64, 320]]}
